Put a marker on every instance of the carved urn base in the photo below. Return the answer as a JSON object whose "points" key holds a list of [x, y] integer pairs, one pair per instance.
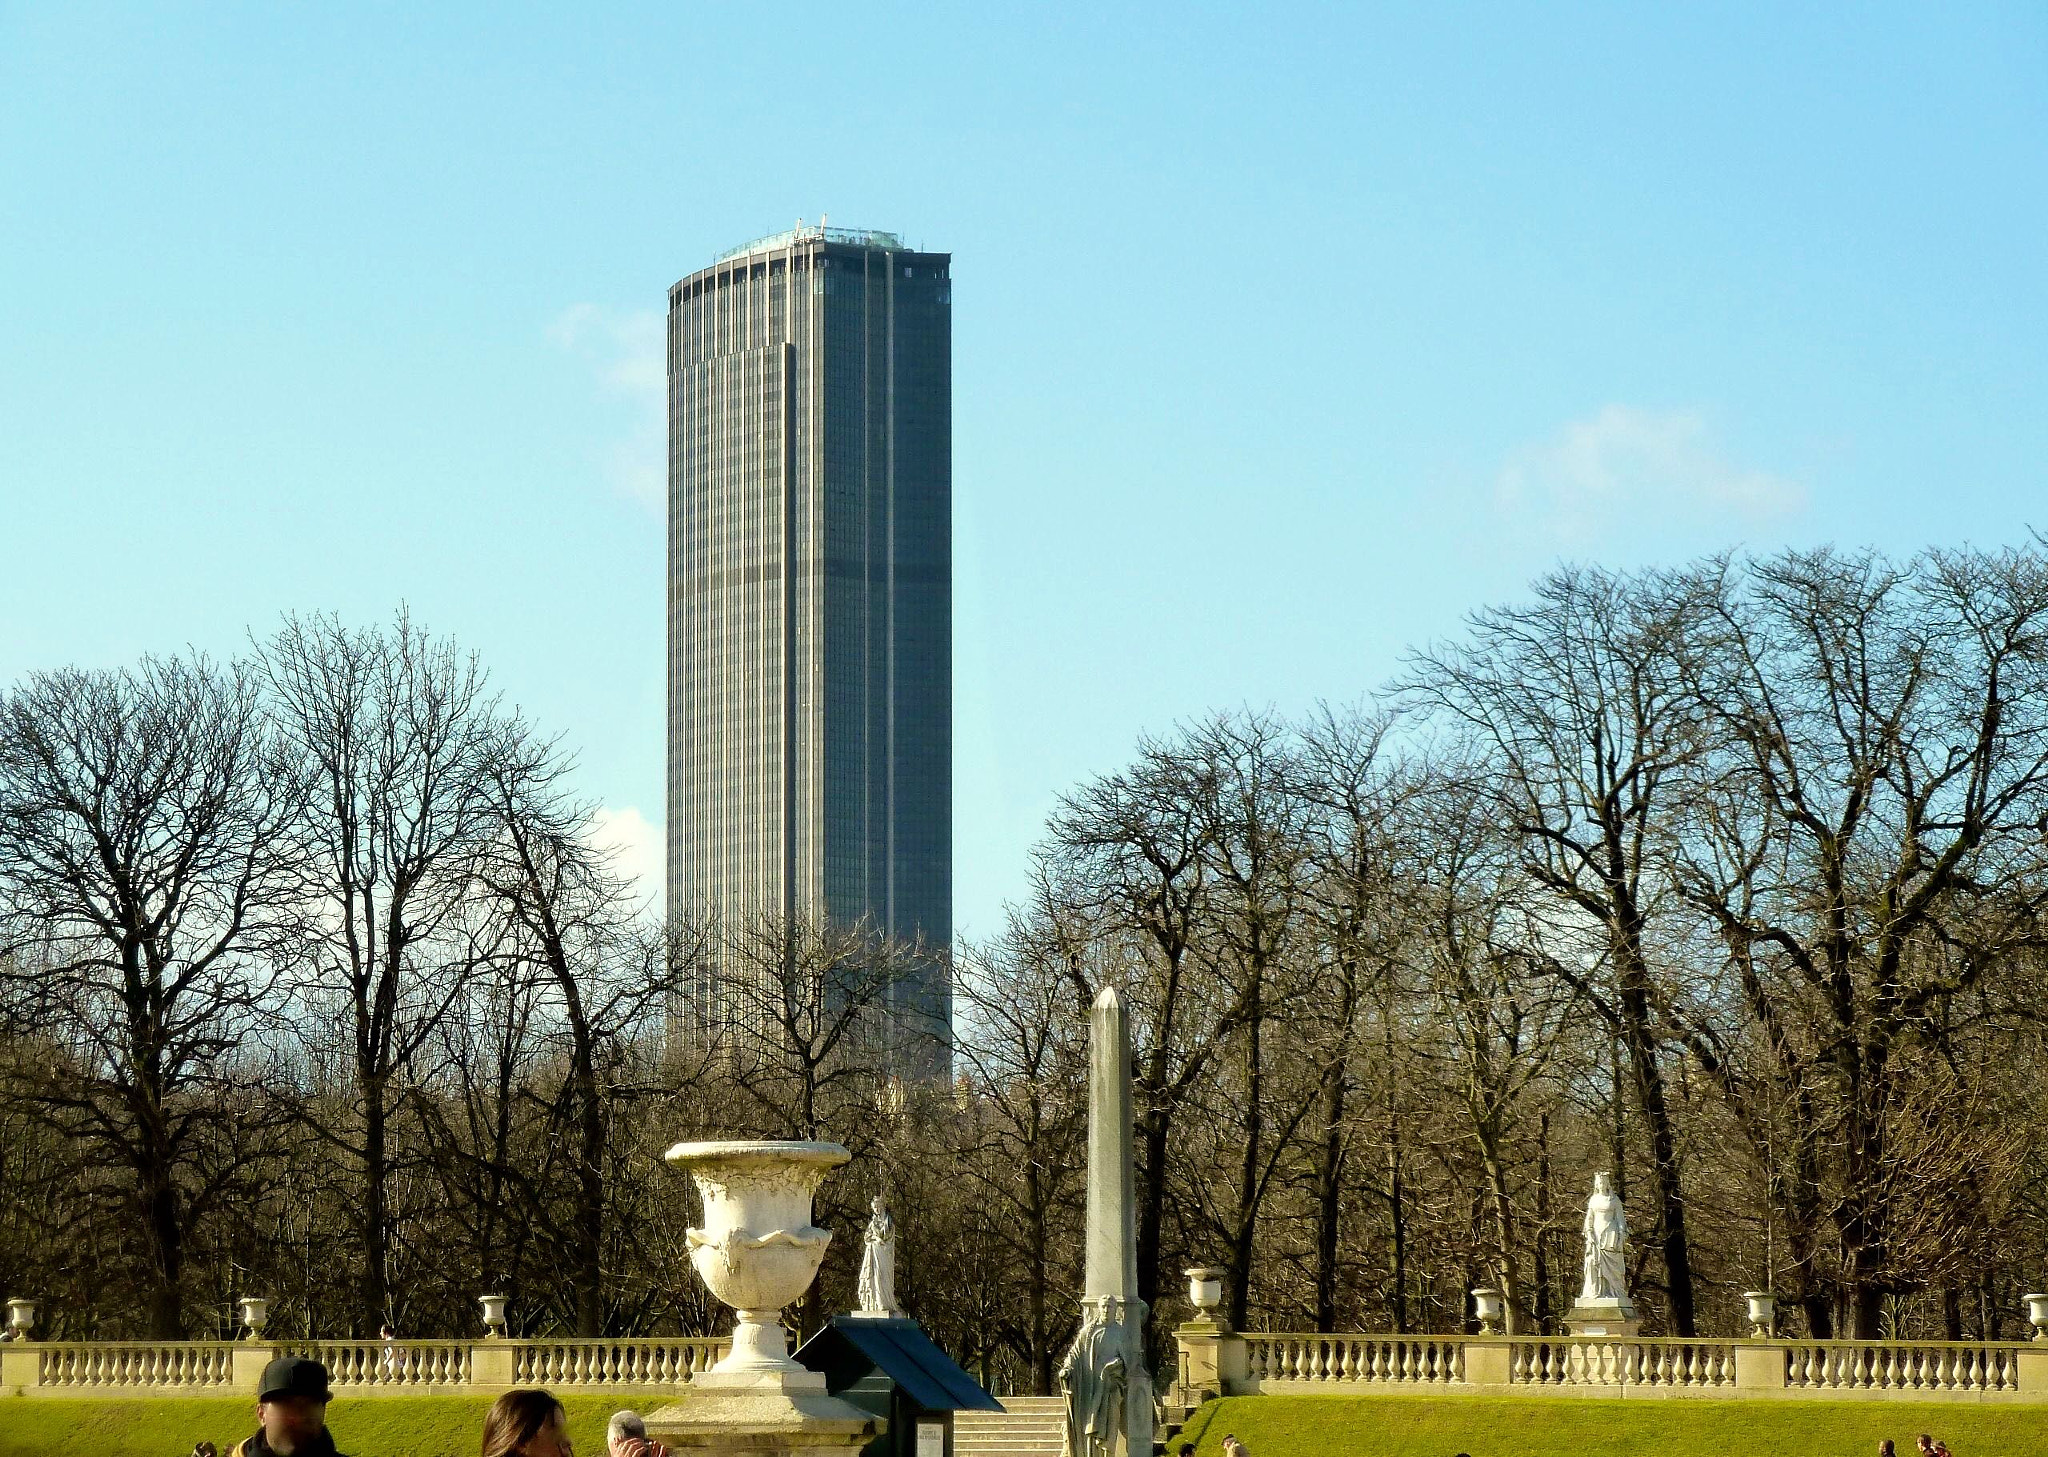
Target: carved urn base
{"points": [[765, 1421], [757, 1250]]}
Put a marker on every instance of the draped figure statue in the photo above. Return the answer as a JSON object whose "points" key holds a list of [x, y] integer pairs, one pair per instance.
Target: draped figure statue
{"points": [[878, 1264], [1094, 1378], [1606, 1230]]}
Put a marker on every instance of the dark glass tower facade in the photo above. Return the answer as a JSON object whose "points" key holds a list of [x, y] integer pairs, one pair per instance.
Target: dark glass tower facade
{"points": [[810, 635]]}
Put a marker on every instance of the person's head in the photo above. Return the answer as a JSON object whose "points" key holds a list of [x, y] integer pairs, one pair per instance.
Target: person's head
{"points": [[1886, 1449], [1925, 1442], [291, 1403], [624, 1427], [881, 1205], [526, 1424], [1186, 1449]]}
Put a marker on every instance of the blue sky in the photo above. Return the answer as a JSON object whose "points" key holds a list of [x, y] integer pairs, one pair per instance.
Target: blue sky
{"points": [[1283, 335]]}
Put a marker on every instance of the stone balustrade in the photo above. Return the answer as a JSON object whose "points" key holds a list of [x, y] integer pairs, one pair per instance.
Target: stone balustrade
{"points": [[1272, 1361], [1923, 1367], [1601, 1362], [637, 1364], [204, 1367], [412, 1365], [355, 1368], [1216, 1361]]}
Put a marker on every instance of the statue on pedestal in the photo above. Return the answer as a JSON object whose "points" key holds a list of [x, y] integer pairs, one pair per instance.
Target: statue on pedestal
{"points": [[1603, 1307], [1095, 1379], [877, 1289], [1606, 1230]]}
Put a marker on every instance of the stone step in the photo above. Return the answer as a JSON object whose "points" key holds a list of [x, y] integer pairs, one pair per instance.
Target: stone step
{"points": [[1028, 1426]]}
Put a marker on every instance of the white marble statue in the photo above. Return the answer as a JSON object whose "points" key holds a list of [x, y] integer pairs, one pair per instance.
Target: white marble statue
{"points": [[1606, 1228], [878, 1264], [1095, 1380]]}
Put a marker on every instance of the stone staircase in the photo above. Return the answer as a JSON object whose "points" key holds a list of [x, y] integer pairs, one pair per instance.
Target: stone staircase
{"points": [[1027, 1426]]}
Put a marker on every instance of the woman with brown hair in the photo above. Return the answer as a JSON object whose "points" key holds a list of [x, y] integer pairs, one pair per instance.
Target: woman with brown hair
{"points": [[527, 1424]]}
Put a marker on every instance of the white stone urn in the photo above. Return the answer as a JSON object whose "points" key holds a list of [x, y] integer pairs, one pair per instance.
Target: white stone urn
{"points": [[1763, 1308], [757, 1249], [21, 1317], [1486, 1305], [2037, 1312], [494, 1315], [1205, 1289], [255, 1315]]}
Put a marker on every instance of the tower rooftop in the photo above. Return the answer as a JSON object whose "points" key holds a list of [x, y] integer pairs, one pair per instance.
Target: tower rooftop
{"points": [[790, 237]]}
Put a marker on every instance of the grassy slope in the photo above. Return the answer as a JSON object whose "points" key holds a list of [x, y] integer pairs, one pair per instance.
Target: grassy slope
{"points": [[379, 1426], [1409, 1426]]}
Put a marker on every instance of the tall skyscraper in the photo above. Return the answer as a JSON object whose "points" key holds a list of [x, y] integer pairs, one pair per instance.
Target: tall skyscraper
{"points": [[810, 729]]}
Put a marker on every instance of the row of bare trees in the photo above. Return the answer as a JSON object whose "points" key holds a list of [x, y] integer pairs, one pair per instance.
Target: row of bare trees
{"points": [[1727, 879]]}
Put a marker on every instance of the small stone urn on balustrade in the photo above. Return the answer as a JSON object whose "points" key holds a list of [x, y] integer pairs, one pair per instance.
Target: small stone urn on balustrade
{"points": [[1487, 1307], [1205, 1293], [2037, 1314], [757, 1251], [494, 1316], [1763, 1312], [255, 1315], [21, 1318]]}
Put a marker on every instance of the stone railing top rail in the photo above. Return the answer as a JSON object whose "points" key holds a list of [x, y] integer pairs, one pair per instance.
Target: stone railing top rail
{"points": [[82, 1345], [1845, 1342], [380, 1343], [620, 1340], [1840, 1343], [301, 1344]]}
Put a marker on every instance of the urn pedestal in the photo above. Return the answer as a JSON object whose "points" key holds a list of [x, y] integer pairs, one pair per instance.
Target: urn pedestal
{"points": [[756, 1252], [1608, 1317]]}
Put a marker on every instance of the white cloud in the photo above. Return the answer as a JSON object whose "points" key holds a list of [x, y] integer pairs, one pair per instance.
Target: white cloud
{"points": [[1627, 463], [638, 849], [625, 352]]}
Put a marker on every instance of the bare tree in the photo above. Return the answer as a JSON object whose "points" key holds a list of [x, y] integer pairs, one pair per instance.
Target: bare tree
{"points": [[147, 853], [1352, 798], [1121, 880], [1579, 704], [1023, 1062], [804, 1001], [572, 929], [1502, 1012], [1870, 849], [391, 731]]}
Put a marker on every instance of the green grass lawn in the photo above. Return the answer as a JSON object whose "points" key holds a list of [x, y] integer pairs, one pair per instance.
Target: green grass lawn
{"points": [[366, 1426], [1537, 1426], [1269, 1426]]}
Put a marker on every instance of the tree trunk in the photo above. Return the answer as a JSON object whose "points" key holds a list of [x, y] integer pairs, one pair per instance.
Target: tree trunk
{"points": [[375, 1295], [167, 1250], [1649, 1079], [1245, 1235], [1329, 1175], [1541, 1309], [1156, 1126]]}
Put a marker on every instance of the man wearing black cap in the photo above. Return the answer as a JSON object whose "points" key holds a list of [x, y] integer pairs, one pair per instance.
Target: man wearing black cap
{"points": [[291, 1412]]}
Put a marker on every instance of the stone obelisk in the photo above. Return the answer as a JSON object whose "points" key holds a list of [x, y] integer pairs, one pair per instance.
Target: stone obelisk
{"points": [[1110, 1284]]}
